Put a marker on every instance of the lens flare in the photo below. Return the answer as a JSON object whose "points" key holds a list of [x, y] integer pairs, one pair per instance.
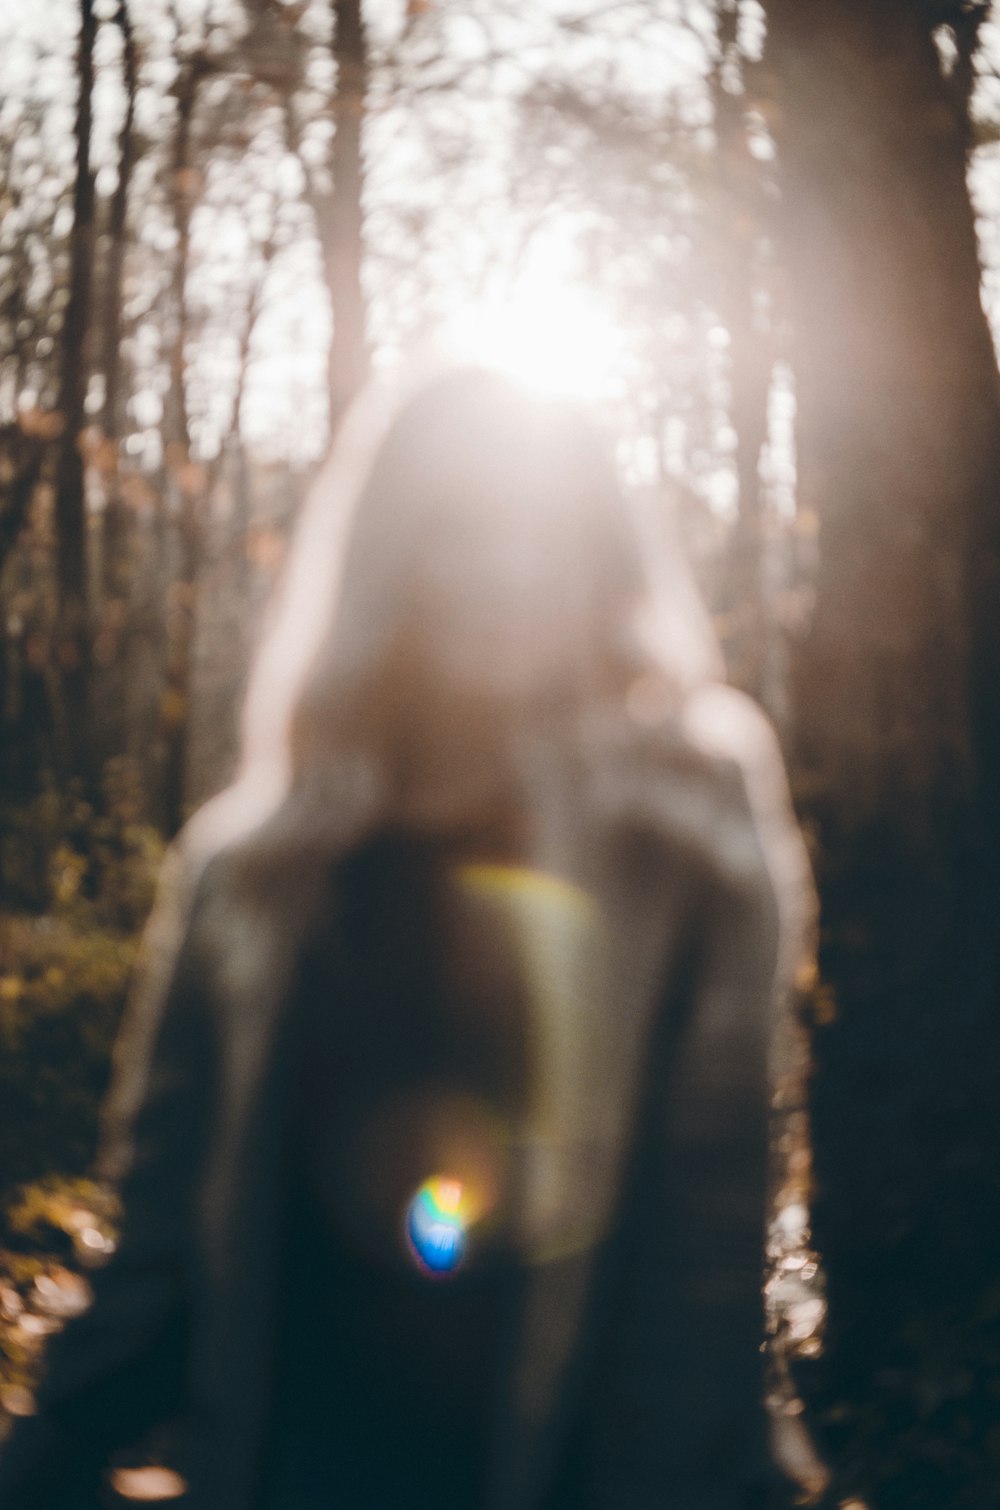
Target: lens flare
{"points": [[437, 1225]]}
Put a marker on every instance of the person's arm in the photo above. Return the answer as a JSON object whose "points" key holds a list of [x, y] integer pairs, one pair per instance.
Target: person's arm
{"points": [[676, 1413], [119, 1368]]}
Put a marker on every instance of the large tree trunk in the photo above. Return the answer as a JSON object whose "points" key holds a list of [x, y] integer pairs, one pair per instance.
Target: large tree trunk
{"points": [[898, 396], [73, 646], [897, 685]]}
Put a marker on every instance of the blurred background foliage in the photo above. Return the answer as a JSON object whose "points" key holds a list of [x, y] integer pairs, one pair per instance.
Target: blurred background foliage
{"points": [[762, 240]]}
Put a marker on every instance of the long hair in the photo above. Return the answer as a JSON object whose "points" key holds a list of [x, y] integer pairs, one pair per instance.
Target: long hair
{"points": [[471, 609], [465, 573]]}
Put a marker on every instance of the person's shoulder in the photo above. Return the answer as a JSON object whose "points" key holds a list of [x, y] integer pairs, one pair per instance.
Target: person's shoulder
{"points": [[200, 900], [728, 727], [756, 842], [752, 811], [255, 891], [705, 780]]}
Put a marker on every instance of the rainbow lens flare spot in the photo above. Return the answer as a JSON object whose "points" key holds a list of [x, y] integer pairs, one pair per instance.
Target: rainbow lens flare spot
{"points": [[437, 1225]]}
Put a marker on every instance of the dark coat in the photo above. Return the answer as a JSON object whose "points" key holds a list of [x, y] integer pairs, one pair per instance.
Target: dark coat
{"points": [[630, 1372]]}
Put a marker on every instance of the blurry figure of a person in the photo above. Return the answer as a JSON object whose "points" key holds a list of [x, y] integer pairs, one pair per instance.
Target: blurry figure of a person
{"points": [[440, 1111]]}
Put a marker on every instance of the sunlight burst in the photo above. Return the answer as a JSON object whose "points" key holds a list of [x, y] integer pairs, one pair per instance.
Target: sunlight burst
{"points": [[551, 333]]}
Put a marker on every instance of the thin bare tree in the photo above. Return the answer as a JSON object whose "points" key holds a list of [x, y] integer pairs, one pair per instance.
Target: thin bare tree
{"points": [[73, 647]]}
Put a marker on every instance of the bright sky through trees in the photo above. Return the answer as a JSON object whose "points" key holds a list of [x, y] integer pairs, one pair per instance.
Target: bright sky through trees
{"points": [[457, 244], [547, 325], [535, 196]]}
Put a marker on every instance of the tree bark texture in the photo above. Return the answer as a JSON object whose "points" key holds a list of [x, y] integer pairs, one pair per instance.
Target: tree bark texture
{"points": [[898, 394], [896, 686]]}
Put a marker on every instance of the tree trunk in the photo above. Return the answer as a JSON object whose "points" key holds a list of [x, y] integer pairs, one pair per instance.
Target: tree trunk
{"points": [[898, 400], [185, 492], [73, 648], [115, 533], [896, 687], [342, 225], [26, 457], [751, 361]]}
